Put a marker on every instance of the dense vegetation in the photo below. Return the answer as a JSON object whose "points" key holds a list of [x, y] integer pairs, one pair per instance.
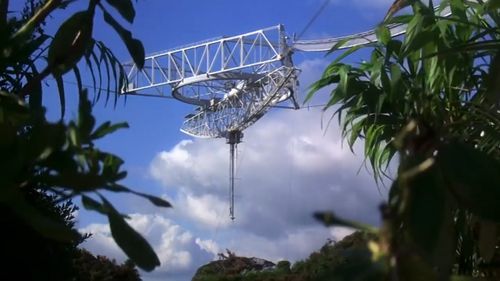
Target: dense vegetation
{"points": [[431, 96], [333, 259], [43, 163]]}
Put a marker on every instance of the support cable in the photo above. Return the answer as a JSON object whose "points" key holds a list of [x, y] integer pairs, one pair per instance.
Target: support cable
{"points": [[313, 19]]}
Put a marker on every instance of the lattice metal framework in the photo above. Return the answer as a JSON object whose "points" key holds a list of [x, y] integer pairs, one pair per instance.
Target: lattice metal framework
{"points": [[243, 104], [209, 60], [234, 80]]}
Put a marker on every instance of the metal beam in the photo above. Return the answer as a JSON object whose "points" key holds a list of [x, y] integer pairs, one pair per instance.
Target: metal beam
{"points": [[245, 53]]}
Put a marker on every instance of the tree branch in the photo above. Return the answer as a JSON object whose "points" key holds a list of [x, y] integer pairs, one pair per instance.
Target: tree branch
{"points": [[37, 19]]}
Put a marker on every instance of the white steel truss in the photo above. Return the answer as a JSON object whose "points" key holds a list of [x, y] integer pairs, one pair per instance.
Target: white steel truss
{"points": [[243, 104], [247, 53]]}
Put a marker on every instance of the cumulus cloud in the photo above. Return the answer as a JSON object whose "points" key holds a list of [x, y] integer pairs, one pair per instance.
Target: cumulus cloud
{"points": [[178, 250], [288, 167]]}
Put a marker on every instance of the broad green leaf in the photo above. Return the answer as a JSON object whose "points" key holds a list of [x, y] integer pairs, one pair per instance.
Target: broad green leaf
{"points": [[134, 46], [70, 43], [125, 8], [157, 201], [130, 241]]}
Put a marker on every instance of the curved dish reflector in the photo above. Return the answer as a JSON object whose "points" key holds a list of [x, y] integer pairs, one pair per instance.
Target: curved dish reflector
{"points": [[242, 105]]}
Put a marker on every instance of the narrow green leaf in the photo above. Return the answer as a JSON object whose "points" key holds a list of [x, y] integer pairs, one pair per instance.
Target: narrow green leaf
{"points": [[92, 75], [91, 204], [157, 201], [62, 97], [323, 82], [347, 53], [134, 46], [104, 58], [78, 78], [106, 128], [338, 45], [330, 219], [115, 64]]}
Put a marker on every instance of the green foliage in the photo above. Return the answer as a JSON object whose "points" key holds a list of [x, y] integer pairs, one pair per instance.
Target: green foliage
{"points": [[343, 260], [438, 74], [432, 97], [61, 157], [91, 268]]}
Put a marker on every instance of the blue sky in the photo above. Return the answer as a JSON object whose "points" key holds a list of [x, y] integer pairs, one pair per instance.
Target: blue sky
{"points": [[288, 165]]}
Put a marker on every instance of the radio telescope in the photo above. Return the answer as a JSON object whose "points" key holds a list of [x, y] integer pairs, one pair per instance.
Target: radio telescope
{"points": [[233, 81]]}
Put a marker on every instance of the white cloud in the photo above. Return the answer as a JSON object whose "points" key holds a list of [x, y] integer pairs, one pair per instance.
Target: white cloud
{"points": [[340, 232], [288, 166], [178, 250], [208, 245], [207, 209]]}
